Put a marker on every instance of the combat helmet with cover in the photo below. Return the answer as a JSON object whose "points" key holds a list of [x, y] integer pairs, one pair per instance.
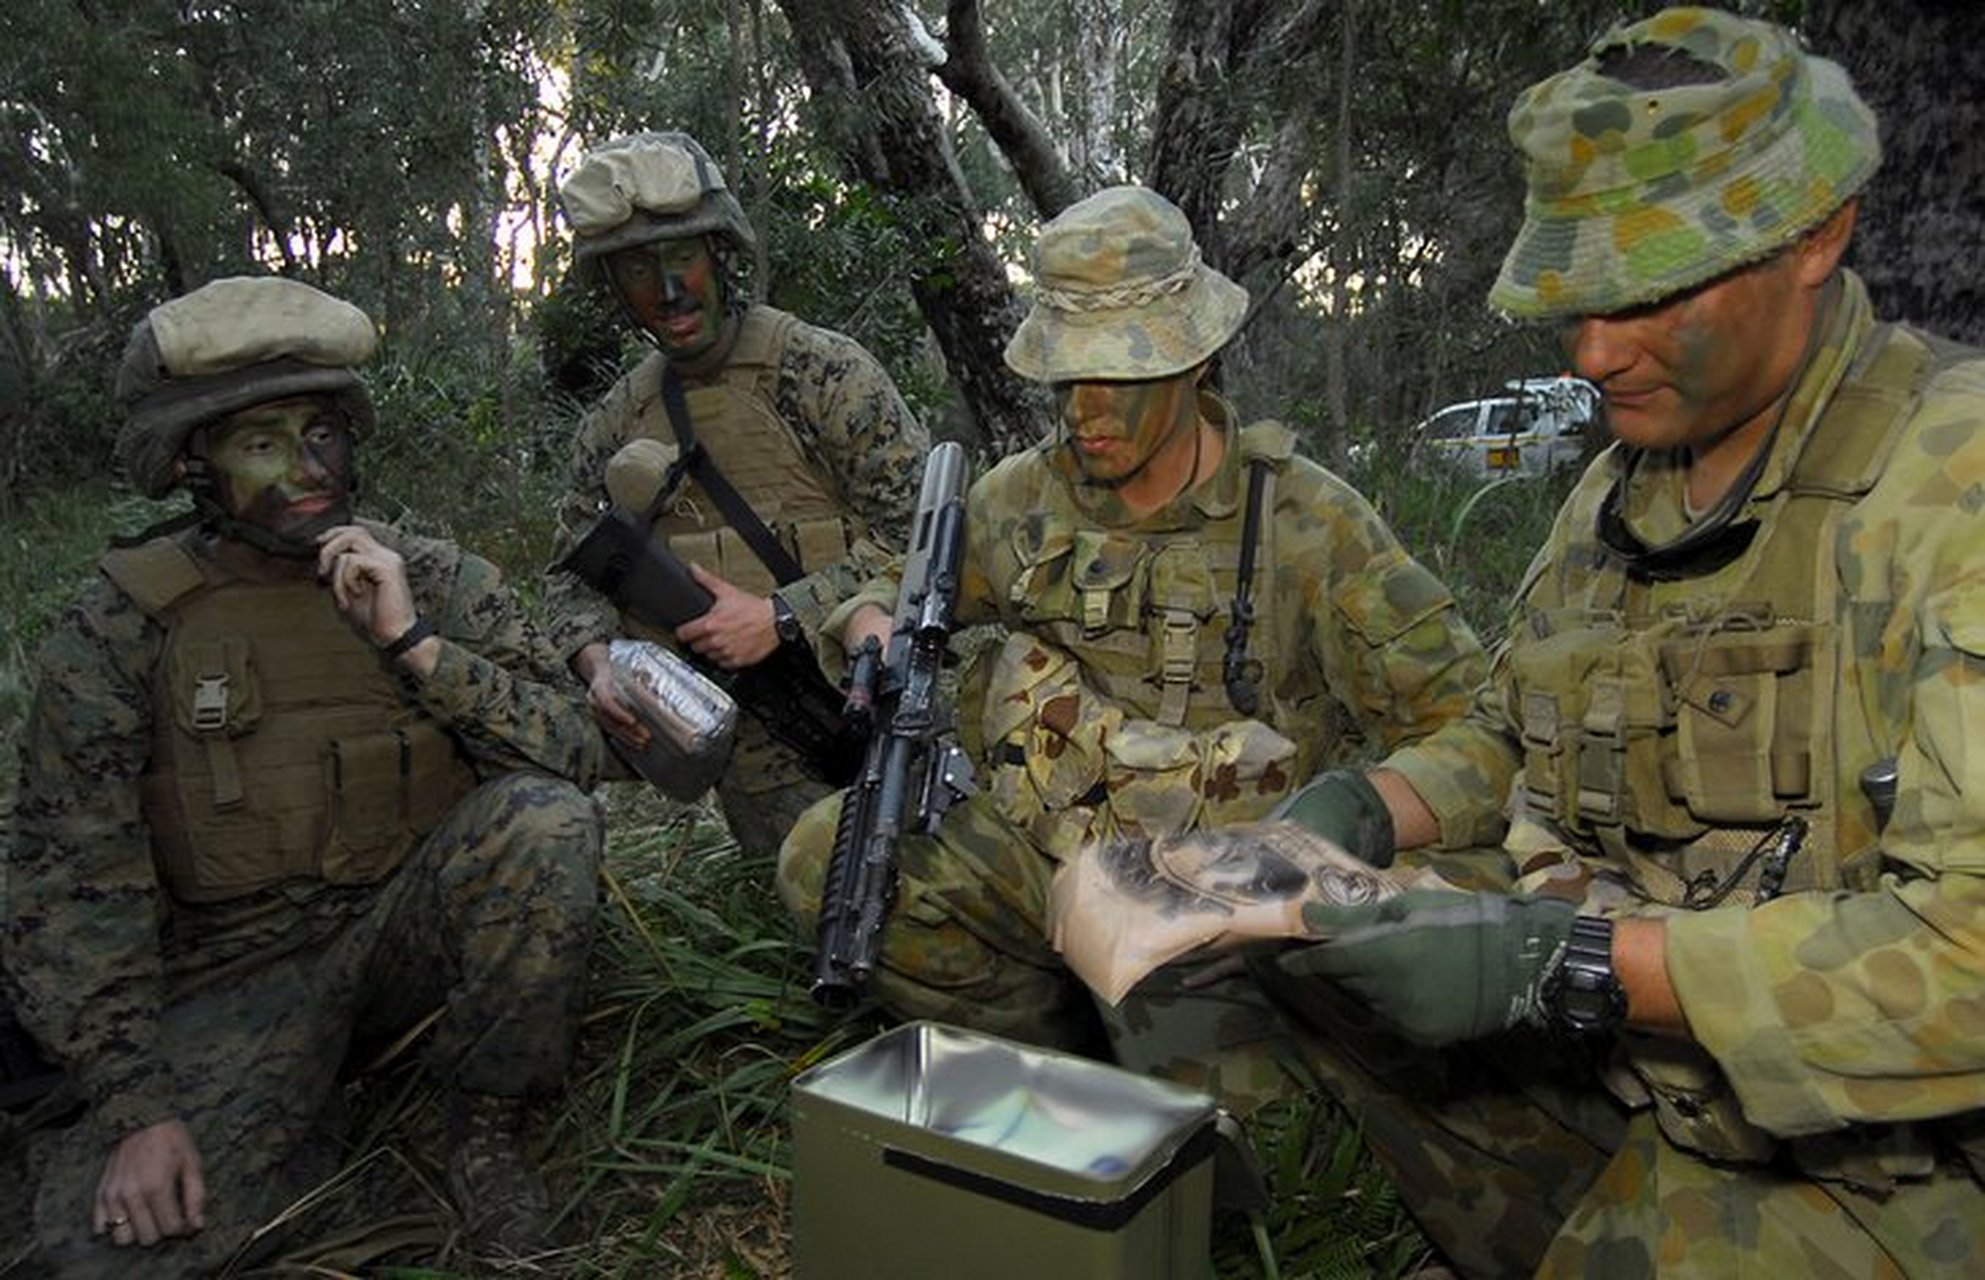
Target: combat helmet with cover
{"points": [[1120, 293], [231, 344], [656, 185], [1637, 193]]}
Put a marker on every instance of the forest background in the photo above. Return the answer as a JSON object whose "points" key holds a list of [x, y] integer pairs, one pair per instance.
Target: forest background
{"points": [[1344, 159]]}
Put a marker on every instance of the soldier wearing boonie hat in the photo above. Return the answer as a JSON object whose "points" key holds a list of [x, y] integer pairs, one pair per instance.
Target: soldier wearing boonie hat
{"points": [[278, 763], [1714, 762], [1196, 616], [800, 422]]}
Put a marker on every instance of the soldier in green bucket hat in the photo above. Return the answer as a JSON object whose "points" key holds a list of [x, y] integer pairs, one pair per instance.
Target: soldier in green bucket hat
{"points": [[1196, 619], [1717, 1020]]}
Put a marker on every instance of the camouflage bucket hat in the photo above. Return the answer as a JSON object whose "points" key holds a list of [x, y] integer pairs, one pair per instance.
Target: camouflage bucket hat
{"points": [[646, 187], [1637, 194], [1120, 293], [230, 344]]}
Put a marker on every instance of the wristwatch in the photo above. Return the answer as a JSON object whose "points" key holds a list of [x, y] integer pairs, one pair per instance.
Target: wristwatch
{"points": [[786, 623], [1582, 995]]}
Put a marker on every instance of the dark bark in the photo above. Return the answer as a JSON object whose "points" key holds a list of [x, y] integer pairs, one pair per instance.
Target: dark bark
{"points": [[1221, 55], [871, 98], [969, 72], [1920, 243]]}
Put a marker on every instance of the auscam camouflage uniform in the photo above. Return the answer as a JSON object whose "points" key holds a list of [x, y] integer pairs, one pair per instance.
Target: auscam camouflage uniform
{"points": [[802, 421], [1829, 1118], [1109, 708], [427, 852]]}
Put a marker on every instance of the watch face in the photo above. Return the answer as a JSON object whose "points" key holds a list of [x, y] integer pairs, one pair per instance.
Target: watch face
{"points": [[1584, 996], [785, 623]]}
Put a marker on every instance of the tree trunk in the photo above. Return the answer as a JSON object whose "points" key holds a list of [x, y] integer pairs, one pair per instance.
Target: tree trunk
{"points": [[1920, 243], [871, 97]]}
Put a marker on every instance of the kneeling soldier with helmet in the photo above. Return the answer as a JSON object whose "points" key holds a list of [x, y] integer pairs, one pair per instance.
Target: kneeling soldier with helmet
{"points": [[290, 782]]}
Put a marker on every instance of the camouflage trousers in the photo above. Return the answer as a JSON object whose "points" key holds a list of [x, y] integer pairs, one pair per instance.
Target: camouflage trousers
{"points": [[1516, 1160], [490, 921], [760, 816], [967, 945]]}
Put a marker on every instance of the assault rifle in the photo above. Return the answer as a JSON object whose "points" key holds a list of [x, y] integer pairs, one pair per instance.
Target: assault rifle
{"points": [[910, 774], [785, 692]]}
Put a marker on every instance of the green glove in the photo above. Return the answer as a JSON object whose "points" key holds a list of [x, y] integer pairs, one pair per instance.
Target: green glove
{"points": [[1344, 807], [1441, 966]]}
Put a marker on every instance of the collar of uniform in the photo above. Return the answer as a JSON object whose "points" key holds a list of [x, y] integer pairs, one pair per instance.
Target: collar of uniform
{"points": [[1842, 338], [1656, 490], [1216, 499]]}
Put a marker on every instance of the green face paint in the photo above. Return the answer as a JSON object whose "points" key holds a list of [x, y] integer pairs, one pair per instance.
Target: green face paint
{"points": [[1116, 429], [674, 290], [284, 467]]}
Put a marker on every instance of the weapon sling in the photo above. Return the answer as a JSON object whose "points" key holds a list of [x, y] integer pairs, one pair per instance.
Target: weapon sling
{"points": [[692, 460]]}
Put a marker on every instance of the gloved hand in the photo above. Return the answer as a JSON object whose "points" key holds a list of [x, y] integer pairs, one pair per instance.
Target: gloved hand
{"points": [[1440, 965], [1345, 808]]}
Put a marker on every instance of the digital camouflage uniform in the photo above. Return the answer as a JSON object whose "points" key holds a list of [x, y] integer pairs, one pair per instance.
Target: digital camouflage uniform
{"points": [[221, 975], [802, 421], [1108, 707], [1826, 1120]]}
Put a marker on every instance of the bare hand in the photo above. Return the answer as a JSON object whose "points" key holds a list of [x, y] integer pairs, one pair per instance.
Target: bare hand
{"points": [[152, 1188], [615, 717], [737, 630], [868, 621], [368, 581]]}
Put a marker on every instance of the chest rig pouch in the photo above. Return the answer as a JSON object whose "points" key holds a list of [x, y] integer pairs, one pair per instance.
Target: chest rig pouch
{"points": [[281, 746], [1106, 710], [1670, 728]]}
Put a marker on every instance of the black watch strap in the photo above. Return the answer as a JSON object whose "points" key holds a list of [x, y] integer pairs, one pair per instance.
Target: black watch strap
{"points": [[1583, 994], [786, 623]]}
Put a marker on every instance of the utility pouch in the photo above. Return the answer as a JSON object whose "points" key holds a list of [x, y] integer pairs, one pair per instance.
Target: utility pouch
{"points": [[1693, 1102], [1744, 703], [383, 791], [216, 698]]}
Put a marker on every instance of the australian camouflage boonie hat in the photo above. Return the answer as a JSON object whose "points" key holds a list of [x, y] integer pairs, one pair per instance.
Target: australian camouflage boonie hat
{"points": [[644, 187], [230, 344], [1120, 293], [1637, 194]]}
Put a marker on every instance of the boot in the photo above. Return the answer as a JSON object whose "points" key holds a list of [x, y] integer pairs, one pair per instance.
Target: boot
{"points": [[496, 1187]]}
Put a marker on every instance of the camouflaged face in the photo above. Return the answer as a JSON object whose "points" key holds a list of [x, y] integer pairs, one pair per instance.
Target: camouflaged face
{"points": [[230, 344], [1120, 293], [646, 187], [1635, 195]]}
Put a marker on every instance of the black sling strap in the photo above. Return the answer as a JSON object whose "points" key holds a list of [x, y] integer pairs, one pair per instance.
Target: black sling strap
{"points": [[692, 460], [1241, 674]]}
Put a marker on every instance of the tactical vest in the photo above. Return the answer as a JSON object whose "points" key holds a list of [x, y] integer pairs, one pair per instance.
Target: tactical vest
{"points": [[1675, 737], [735, 420], [1105, 711], [282, 747]]}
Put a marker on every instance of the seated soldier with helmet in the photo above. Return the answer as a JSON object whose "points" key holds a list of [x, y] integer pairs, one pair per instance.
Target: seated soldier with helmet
{"points": [[291, 782]]}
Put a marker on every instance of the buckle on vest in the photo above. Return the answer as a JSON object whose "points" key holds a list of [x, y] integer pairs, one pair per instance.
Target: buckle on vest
{"points": [[210, 703]]}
